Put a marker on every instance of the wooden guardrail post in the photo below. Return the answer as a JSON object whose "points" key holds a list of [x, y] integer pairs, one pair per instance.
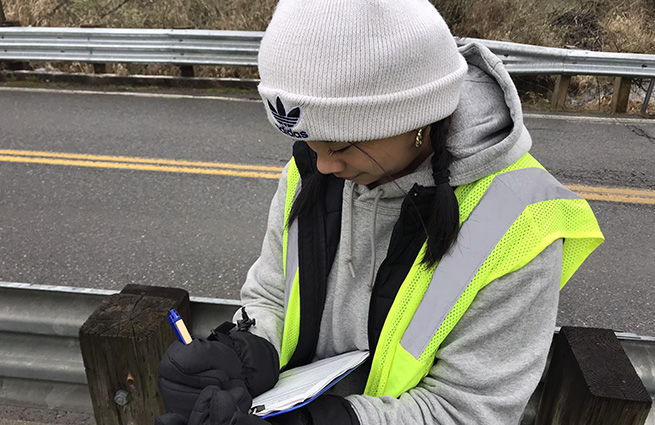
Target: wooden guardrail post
{"points": [[122, 342], [187, 71], [559, 94], [621, 95], [3, 18], [649, 92], [591, 381]]}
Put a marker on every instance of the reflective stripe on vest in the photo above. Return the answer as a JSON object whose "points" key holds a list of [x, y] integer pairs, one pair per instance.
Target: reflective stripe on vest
{"points": [[431, 301], [507, 197], [291, 275], [291, 263]]}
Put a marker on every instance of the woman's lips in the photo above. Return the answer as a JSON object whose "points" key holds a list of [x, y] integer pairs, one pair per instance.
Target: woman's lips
{"points": [[348, 178]]}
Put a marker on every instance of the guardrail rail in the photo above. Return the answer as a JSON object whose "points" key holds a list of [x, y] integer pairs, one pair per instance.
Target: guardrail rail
{"points": [[186, 48]]}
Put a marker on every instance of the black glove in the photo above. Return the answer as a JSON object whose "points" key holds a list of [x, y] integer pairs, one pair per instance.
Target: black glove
{"points": [[244, 419], [217, 407], [185, 370], [325, 410], [226, 360], [260, 361]]}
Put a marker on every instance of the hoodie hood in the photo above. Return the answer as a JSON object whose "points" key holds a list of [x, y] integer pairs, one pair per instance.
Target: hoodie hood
{"points": [[486, 132]]}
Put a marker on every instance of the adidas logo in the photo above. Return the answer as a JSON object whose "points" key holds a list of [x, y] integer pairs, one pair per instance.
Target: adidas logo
{"points": [[287, 120]]}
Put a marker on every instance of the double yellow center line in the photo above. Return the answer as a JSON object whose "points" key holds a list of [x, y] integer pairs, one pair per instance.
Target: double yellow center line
{"points": [[596, 193], [614, 194], [134, 163]]}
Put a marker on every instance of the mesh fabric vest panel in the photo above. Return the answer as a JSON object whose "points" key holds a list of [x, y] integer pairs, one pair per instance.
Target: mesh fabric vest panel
{"points": [[394, 370]]}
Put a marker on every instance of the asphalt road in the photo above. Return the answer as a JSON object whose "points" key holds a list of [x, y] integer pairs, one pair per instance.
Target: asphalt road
{"points": [[84, 221]]}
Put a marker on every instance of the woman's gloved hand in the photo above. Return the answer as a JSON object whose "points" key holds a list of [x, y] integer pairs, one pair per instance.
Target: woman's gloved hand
{"points": [[216, 406], [185, 370], [227, 359], [245, 419], [327, 409]]}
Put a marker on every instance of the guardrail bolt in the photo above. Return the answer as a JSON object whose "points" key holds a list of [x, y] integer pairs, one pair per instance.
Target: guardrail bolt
{"points": [[122, 397]]}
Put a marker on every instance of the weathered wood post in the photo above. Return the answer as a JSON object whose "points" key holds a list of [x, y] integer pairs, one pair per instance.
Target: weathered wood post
{"points": [[621, 95], [2, 13], [591, 382], [649, 92], [559, 94], [122, 343]]}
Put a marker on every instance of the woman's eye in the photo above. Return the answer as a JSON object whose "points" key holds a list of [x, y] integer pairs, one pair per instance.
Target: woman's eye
{"points": [[337, 152]]}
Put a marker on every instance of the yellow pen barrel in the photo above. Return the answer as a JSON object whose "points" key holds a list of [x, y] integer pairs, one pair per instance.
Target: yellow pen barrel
{"points": [[184, 332]]}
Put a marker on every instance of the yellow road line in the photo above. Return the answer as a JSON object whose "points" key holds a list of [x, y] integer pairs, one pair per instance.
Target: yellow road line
{"points": [[615, 194], [596, 193], [131, 159], [132, 166]]}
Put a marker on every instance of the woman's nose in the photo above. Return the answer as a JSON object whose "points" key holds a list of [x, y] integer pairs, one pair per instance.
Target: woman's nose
{"points": [[328, 165]]}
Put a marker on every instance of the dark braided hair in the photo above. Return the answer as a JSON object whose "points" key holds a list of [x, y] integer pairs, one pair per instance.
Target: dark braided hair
{"points": [[443, 226], [309, 198]]}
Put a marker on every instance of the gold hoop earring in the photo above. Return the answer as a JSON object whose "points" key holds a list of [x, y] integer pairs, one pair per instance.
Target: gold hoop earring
{"points": [[419, 138]]}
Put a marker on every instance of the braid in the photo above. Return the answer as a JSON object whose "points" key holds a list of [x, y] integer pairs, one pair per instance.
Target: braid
{"points": [[443, 226], [310, 197]]}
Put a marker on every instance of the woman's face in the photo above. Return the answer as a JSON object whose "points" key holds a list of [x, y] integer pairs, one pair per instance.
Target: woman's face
{"points": [[372, 162]]}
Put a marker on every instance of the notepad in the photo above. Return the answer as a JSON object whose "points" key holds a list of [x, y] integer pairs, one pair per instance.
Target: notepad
{"points": [[299, 386]]}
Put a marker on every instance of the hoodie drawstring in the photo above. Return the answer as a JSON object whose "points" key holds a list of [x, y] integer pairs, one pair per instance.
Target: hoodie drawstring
{"points": [[349, 257], [378, 195]]}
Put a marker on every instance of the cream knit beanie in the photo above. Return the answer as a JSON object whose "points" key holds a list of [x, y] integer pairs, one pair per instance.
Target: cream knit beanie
{"points": [[353, 70]]}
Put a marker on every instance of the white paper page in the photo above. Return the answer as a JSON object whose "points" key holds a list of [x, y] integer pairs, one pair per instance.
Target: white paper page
{"points": [[301, 383]]}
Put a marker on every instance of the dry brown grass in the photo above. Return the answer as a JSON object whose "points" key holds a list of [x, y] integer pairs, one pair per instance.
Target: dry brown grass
{"points": [[605, 25], [630, 32], [203, 14]]}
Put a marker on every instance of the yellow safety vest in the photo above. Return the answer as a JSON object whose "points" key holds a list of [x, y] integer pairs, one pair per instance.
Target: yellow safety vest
{"points": [[506, 219]]}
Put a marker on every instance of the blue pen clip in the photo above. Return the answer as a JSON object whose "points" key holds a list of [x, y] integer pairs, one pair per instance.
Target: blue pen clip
{"points": [[179, 327]]}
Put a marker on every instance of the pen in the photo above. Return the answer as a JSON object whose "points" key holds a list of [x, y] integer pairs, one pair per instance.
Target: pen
{"points": [[179, 327]]}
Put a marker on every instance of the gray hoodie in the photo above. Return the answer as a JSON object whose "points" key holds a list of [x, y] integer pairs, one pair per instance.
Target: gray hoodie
{"points": [[489, 365]]}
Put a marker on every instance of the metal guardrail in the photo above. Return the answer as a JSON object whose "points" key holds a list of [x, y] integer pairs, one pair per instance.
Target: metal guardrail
{"points": [[186, 48], [179, 47], [41, 363], [240, 48], [525, 59]]}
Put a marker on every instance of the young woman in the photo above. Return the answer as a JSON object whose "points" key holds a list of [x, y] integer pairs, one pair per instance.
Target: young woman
{"points": [[411, 222]]}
